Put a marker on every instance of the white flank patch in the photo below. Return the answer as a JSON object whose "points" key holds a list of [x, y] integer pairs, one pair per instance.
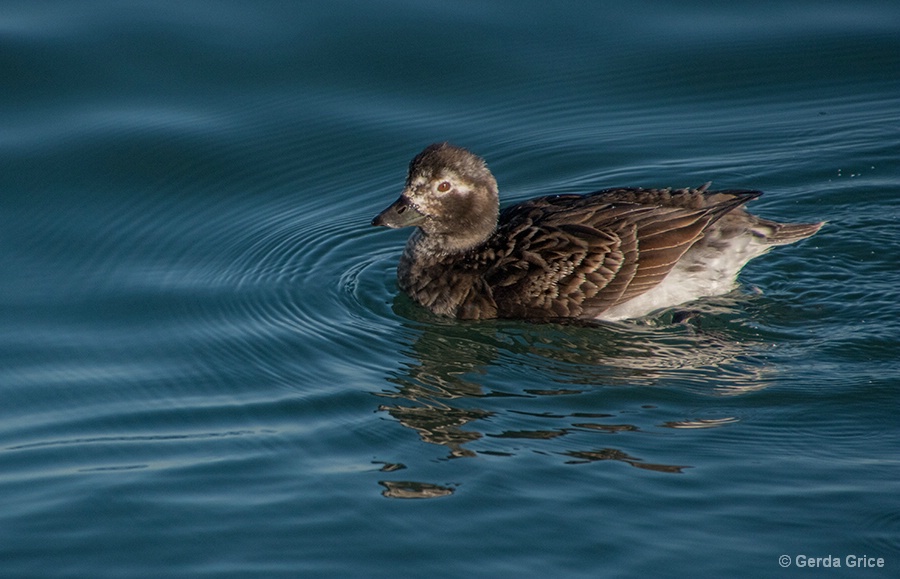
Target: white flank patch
{"points": [[702, 272]]}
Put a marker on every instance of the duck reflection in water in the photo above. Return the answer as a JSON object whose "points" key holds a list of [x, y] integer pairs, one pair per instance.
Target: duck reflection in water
{"points": [[451, 396]]}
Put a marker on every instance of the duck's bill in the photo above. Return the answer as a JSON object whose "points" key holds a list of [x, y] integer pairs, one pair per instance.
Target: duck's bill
{"points": [[401, 214]]}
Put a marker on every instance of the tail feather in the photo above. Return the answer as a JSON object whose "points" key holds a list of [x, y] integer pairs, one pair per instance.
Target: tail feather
{"points": [[774, 233]]}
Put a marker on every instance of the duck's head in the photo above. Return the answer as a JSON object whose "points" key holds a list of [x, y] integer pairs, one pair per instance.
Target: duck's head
{"points": [[450, 195]]}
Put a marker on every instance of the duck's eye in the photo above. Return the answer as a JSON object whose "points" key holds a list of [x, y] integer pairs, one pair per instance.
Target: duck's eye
{"points": [[444, 186]]}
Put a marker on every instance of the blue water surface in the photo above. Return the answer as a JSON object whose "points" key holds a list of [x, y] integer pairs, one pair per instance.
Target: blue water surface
{"points": [[207, 369]]}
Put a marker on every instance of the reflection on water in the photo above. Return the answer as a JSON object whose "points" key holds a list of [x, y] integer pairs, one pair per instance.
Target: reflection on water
{"points": [[582, 457], [439, 424], [413, 490], [447, 393], [701, 423]]}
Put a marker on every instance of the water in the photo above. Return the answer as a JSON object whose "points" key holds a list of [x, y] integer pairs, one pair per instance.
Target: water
{"points": [[206, 368]]}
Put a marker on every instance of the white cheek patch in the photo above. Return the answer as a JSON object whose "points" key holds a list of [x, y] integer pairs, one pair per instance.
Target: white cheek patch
{"points": [[418, 190], [424, 192], [426, 205]]}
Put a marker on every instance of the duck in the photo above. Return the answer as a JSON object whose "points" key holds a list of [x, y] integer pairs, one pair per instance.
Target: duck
{"points": [[614, 254]]}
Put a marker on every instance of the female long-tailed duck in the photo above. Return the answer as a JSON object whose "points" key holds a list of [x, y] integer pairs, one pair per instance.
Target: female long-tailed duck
{"points": [[609, 255]]}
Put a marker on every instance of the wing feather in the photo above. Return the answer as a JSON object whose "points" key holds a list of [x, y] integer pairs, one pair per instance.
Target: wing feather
{"points": [[576, 256]]}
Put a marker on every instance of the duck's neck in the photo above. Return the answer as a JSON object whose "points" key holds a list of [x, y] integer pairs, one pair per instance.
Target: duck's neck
{"points": [[441, 246], [461, 239]]}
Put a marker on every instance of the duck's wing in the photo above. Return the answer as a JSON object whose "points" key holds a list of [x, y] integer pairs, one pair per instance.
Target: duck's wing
{"points": [[576, 256]]}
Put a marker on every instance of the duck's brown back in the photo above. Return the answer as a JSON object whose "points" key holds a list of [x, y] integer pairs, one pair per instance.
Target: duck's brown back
{"points": [[576, 256]]}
